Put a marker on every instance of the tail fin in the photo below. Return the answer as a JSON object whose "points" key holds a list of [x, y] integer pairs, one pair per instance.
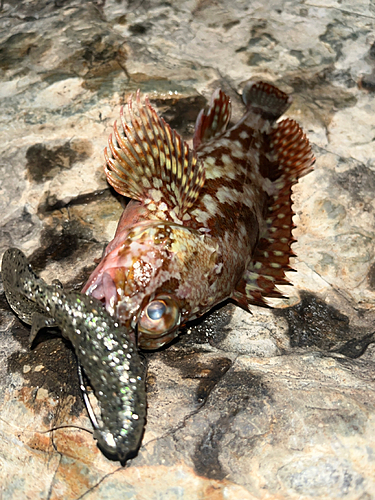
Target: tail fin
{"points": [[15, 271], [265, 100]]}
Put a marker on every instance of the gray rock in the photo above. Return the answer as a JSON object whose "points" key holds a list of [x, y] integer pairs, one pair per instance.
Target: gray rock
{"points": [[277, 404]]}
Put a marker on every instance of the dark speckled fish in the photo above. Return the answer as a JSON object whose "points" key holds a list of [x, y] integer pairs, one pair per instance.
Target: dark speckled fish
{"points": [[103, 348], [204, 225]]}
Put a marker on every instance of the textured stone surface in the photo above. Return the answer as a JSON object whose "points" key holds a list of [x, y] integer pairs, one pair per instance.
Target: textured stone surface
{"points": [[278, 404]]}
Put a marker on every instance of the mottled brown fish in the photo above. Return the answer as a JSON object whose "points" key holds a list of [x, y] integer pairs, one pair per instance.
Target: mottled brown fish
{"points": [[204, 224]]}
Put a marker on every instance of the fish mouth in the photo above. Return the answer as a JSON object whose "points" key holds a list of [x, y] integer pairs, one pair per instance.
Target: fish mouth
{"points": [[149, 341]]}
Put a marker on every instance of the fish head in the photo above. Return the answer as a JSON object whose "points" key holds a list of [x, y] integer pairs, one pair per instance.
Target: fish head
{"points": [[155, 280]]}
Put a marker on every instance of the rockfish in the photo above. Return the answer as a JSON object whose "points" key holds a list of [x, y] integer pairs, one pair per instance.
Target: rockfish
{"points": [[205, 224]]}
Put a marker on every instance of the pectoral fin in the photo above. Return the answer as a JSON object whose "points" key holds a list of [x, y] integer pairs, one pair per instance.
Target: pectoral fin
{"points": [[149, 162]]}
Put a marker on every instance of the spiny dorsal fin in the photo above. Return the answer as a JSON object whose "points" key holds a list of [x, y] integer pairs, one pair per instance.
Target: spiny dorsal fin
{"points": [[266, 100], [149, 162], [294, 158], [213, 120]]}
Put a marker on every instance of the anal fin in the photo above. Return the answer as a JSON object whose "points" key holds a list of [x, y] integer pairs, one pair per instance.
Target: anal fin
{"points": [[293, 158]]}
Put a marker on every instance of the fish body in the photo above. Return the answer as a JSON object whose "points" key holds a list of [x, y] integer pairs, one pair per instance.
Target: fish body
{"points": [[204, 225], [103, 348]]}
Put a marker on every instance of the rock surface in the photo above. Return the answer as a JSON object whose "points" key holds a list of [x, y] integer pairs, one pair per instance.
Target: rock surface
{"points": [[278, 404]]}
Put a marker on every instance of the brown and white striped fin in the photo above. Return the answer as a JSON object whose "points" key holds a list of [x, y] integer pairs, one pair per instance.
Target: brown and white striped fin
{"points": [[270, 262], [148, 161], [266, 100], [213, 120]]}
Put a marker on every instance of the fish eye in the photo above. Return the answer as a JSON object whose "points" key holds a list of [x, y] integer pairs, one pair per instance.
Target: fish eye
{"points": [[159, 316], [155, 310]]}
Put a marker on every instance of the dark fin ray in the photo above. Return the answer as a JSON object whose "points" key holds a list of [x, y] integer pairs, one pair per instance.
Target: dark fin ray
{"points": [[270, 261], [240, 298], [266, 100], [149, 162], [213, 120]]}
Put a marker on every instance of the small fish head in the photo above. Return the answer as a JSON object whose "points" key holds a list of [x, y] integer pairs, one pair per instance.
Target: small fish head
{"points": [[183, 288], [153, 282], [145, 288]]}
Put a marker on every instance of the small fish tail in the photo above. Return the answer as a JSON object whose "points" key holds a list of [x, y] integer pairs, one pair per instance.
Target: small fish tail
{"points": [[16, 273], [266, 100]]}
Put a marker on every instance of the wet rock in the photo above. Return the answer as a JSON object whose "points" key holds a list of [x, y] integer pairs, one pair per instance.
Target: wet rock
{"points": [[279, 403]]}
